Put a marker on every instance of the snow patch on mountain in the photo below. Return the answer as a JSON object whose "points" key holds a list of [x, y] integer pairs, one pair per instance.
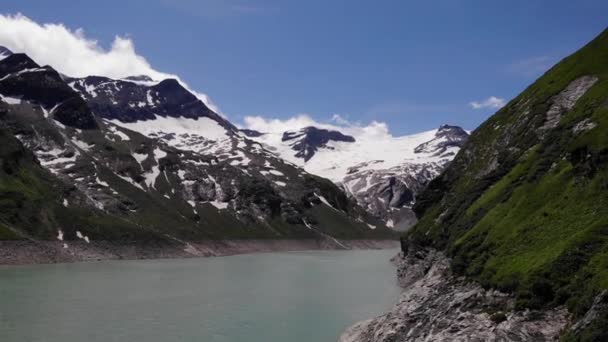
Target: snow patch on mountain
{"points": [[334, 160]]}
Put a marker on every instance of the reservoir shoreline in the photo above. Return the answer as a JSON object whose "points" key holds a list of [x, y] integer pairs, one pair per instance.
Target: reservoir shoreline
{"points": [[25, 252]]}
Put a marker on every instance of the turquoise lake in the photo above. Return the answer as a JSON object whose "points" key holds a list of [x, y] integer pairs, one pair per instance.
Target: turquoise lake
{"points": [[299, 296]]}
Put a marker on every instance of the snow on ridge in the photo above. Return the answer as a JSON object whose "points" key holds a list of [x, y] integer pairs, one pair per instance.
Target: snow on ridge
{"points": [[203, 126], [10, 100], [325, 201], [334, 160], [159, 154]]}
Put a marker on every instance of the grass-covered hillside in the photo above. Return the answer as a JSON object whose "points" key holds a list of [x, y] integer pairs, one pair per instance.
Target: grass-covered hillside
{"points": [[524, 205]]}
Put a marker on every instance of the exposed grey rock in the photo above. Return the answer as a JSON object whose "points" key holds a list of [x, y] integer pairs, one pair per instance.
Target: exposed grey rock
{"points": [[566, 99], [600, 304], [437, 306], [583, 126]]}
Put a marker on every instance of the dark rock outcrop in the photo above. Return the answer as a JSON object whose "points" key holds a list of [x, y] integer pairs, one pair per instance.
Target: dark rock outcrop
{"points": [[308, 140]]}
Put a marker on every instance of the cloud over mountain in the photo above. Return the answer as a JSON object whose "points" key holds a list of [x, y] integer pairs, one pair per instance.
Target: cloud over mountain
{"points": [[491, 102], [372, 130], [74, 54]]}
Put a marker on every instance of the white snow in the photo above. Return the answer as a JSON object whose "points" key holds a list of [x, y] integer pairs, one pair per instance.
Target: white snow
{"points": [[219, 205], [371, 226], [276, 172], [140, 157], [204, 127], [130, 180], [65, 202], [122, 135], [82, 237], [325, 201], [390, 223], [59, 235], [59, 124], [140, 82], [118, 133], [158, 153], [150, 177], [90, 89], [149, 98], [54, 157], [100, 182], [202, 135], [10, 100], [279, 183], [333, 162], [81, 144]]}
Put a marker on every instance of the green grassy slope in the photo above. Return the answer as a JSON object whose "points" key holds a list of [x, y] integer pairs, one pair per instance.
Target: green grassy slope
{"points": [[525, 209]]}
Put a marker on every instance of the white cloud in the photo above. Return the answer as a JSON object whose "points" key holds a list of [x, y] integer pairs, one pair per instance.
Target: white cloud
{"points": [[74, 54], [491, 102], [340, 120], [373, 130]]}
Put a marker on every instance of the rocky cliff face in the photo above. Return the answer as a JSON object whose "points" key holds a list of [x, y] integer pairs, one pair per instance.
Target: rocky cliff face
{"points": [[438, 306]]}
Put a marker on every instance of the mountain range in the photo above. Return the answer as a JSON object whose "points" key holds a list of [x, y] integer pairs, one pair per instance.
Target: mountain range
{"points": [[94, 160]]}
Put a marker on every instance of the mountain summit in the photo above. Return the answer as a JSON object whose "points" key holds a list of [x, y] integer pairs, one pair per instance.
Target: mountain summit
{"points": [[309, 139]]}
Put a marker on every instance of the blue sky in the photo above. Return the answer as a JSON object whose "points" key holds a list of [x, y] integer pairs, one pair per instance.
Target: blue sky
{"points": [[411, 64]]}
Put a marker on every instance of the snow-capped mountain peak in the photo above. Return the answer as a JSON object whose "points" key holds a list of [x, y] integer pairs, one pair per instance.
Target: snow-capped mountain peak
{"points": [[308, 140], [447, 141]]}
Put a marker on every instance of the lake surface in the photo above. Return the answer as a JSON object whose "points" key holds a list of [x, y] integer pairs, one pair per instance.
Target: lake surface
{"points": [[299, 296]]}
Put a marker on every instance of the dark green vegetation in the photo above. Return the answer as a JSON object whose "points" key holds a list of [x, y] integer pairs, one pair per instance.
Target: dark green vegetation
{"points": [[524, 206]]}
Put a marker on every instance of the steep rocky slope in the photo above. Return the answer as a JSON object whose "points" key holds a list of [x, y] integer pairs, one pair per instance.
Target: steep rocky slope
{"points": [[133, 159], [438, 306], [382, 173], [523, 209]]}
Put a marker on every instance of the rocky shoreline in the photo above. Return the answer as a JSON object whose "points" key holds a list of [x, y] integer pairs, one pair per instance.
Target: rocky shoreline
{"points": [[45, 252], [437, 306]]}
